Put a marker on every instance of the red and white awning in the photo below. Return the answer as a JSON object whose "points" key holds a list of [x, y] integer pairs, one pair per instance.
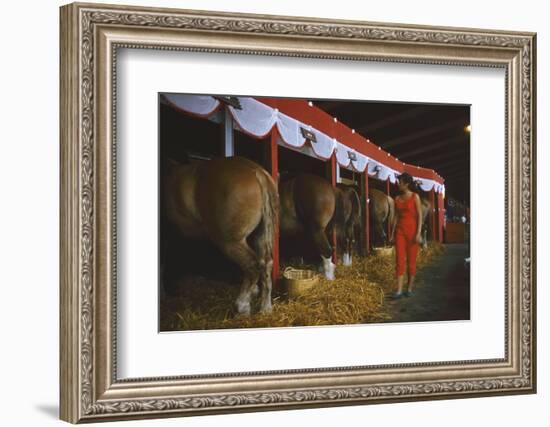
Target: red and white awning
{"points": [[258, 119]]}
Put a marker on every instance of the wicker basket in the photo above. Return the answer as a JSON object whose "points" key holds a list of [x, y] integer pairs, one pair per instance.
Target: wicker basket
{"points": [[297, 281], [383, 250]]}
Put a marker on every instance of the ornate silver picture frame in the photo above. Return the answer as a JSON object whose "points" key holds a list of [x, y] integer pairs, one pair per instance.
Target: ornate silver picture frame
{"points": [[91, 36]]}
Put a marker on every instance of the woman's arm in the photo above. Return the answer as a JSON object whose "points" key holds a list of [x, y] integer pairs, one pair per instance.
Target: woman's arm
{"points": [[419, 211]]}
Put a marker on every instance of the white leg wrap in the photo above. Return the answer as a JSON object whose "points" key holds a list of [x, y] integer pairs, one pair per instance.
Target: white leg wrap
{"points": [[243, 306], [329, 268], [346, 259], [266, 307]]}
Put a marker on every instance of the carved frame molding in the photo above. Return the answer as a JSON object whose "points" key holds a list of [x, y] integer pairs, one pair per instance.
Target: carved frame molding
{"points": [[90, 37]]}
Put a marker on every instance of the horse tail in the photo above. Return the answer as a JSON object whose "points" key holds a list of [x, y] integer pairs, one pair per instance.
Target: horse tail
{"points": [[339, 216], [270, 212], [356, 211]]}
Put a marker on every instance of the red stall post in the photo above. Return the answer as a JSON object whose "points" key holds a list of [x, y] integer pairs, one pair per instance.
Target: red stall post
{"points": [[441, 213], [388, 192], [432, 215], [366, 230], [331, 175], [273, 165]]}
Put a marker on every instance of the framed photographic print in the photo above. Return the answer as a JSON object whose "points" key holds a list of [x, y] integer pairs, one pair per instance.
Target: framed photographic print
{"points": [[267, 212]]}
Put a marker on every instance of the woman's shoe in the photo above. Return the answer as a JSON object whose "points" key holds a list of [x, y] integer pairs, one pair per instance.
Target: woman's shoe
{"points": [[408, 293], [397, 295]]}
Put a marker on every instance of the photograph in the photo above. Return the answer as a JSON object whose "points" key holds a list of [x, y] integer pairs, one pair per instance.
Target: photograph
{"points": [[264, 212], [287, 212]]}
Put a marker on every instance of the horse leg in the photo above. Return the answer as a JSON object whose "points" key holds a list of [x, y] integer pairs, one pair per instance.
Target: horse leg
{"points": [[325, 250], [347, 252], [345, 259], [246, 259], [347, 255], [381, 233], [266, 285], [266, 267], [424, 238]]}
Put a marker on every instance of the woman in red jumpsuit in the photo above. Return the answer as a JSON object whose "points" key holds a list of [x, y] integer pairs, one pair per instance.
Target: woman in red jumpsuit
{"points": [[405, 231]]}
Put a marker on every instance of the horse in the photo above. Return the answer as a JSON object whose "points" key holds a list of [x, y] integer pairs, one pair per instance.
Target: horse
{"points": [[233, 202], [426, 207], [307, 207], [347, 216], [381, 212]]}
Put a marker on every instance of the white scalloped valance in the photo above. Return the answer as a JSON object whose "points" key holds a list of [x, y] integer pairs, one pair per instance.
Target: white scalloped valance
{"points": [[289, 131], [258, 120], [195, 104], [253, 117], [429, 184], [324, 145], [350, 158], [382, 172]]}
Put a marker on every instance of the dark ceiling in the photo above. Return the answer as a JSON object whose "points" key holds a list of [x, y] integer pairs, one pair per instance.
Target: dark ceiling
{"points": [[426, 135]]}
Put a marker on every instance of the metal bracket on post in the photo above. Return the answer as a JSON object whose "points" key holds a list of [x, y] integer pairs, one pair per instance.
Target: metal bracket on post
{"points": [[228, 141]]}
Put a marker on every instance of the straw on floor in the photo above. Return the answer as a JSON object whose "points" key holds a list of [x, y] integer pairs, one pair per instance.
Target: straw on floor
{"points": [[358, 295]]}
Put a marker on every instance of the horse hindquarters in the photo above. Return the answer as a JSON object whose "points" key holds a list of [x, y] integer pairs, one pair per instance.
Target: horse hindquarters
{"points": [[241, 223], [262, 238], [307, 204], [225, 201]]}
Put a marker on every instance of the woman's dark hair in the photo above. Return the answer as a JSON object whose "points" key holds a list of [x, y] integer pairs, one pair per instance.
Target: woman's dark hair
{"points": [[408, 179]]}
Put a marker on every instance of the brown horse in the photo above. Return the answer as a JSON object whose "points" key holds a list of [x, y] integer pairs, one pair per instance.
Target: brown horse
{"points": [[233, 202], [347, 216], [381, 211], [307, 206], [426, 206]]}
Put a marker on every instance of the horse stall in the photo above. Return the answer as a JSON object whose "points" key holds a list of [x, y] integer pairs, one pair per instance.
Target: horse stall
{"points": [[292, 163], [190, 135], [380, 210], [181, 140], [287, 138]]}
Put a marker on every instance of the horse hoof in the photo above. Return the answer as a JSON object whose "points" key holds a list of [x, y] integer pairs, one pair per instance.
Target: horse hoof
{"points": [[267, 308], [329, 272], [328, 268], [243, 308]]}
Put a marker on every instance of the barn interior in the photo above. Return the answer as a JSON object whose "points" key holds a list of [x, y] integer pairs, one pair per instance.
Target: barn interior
{"points": [[433, 136]]}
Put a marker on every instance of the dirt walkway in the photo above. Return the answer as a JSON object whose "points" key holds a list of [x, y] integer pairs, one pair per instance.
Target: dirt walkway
{"points": [[442, 291]]}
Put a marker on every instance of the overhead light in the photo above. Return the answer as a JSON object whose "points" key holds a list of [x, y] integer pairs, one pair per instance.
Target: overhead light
{"points": [[468, 128]]}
